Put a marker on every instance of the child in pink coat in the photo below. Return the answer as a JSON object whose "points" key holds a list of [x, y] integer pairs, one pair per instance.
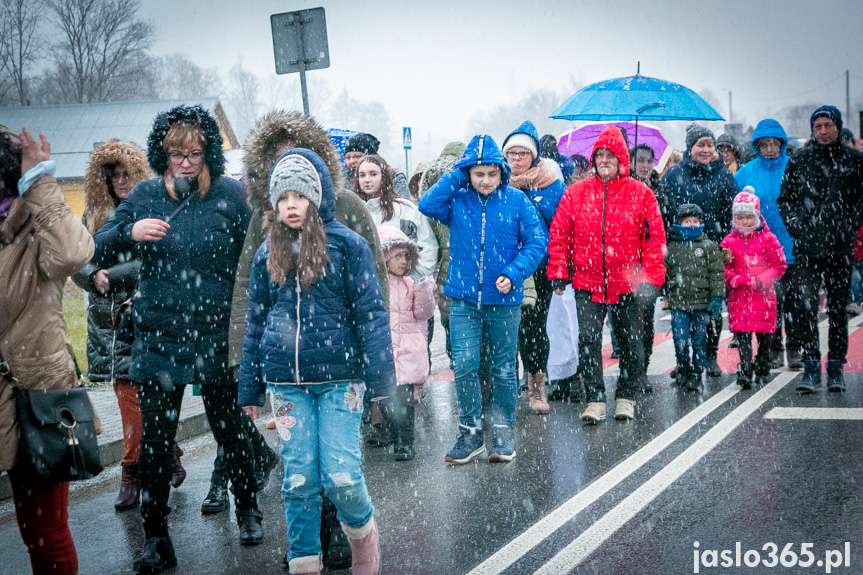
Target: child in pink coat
{"points": [[412, 304], [756, 261]]}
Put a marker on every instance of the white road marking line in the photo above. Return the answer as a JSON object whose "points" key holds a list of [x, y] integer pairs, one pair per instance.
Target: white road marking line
{"points": [[519, 546], [815, 413], [586, 543]]}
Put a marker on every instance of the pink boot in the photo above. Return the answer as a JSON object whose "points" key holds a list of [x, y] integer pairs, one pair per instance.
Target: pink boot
{"points": [[365, 548], [311, 564]]}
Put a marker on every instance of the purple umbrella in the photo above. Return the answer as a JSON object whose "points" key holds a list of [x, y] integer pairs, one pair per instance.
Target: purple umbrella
{"points": [[580, 140]]}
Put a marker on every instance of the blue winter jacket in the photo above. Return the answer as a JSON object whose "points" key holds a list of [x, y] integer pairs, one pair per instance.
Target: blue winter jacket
{"points": [[545, 199], [490, 236], [337, 331], [765, 175]]}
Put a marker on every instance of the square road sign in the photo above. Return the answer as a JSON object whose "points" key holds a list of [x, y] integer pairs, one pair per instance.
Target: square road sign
{"points": [[300, 36]]}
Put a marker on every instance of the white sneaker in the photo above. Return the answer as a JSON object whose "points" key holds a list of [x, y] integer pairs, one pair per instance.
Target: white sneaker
{"points": [[594, 412], [624, 409]]}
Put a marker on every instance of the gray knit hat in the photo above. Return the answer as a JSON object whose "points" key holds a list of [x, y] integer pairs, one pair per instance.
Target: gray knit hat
{"points": [[294, 172], [695, 132]]}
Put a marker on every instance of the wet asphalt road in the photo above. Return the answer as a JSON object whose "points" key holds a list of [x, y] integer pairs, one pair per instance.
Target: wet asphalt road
{"points": [[630, 497]]}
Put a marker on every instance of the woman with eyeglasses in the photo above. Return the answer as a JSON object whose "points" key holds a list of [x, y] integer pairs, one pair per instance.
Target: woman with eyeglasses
{"points": [[187, 226], [543, 185], [115, 168]]}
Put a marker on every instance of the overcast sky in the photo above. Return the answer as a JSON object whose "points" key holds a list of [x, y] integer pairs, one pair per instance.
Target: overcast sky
{"points": [[435, 64]]}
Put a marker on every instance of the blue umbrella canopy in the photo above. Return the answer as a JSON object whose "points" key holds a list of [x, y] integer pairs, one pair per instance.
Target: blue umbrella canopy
{"points": [[636, 98]]}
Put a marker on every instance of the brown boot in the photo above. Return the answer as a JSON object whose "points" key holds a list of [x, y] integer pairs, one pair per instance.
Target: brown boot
{"points": [[130, 489], [179, 474], [536, 393], [365, 548]]}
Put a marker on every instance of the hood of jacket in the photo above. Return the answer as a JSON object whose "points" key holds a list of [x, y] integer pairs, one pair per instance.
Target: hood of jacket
{"points": [[99, 204], [212, 156], [770, 128], [483, 150], [441, 165], [527, 128], [327, 210], [271, 132], [393, 238], [611, 138]]}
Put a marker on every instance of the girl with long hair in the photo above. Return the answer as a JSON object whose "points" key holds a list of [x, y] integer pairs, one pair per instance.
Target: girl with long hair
{"points": [[317, 335]]}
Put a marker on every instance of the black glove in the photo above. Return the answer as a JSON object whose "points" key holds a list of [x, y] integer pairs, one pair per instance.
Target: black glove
{"points": [[559, 284], [647, 292]]}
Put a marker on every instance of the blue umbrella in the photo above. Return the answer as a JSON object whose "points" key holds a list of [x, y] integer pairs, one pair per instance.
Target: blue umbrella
{"points": [[340, 138], [636, 98]]}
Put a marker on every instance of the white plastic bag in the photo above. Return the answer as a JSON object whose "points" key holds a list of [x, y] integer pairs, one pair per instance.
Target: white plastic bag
{"points": [[562, 329]]}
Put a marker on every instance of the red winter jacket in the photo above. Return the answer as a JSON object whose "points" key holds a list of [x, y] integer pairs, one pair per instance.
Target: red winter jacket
{"points": [[610, 235], [757, 263]]}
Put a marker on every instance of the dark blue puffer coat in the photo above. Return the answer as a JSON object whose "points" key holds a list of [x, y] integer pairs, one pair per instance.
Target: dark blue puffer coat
{"points": [[490, 236], [183, 307], [336, 331]]}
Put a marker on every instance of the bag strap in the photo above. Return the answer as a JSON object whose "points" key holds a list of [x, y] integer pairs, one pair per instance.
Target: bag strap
{"points": [[181, 206], [6, 371]]}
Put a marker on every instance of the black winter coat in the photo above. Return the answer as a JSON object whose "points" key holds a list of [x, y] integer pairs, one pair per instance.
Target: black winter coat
{"points": [[182, 311], [711, 186], [821, 200], [109, 351]]}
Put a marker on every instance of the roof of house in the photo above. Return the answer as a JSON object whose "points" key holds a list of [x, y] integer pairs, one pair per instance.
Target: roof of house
{"points": [[75, 129]]}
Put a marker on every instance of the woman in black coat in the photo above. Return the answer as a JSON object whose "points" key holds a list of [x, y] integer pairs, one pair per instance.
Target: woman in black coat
{"points": [[188, 226]]}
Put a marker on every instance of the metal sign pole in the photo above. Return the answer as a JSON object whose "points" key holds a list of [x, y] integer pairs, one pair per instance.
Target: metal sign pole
{"points": [[302, 65]]}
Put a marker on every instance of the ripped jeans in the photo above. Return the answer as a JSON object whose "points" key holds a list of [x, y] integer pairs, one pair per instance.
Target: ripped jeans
{"points": [[319, 435]]}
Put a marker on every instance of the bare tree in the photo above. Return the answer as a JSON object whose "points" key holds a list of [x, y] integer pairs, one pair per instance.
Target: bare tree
{"points": [[19, 44], [101, 53], [178, 77], [368, 116], [243, 103], [535, 106]]}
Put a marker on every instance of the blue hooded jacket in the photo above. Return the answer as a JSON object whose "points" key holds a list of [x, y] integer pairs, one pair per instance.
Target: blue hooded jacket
{"points": [[338, 330], [545, 199], [765, 175], [490, 236]]}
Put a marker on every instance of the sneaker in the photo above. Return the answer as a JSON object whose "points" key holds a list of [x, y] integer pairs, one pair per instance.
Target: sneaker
{"points": [[468, 446], [503, 444], [595, 412], [624, 409]]}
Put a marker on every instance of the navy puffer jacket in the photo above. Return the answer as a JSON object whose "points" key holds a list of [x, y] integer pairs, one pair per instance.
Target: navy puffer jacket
{"points": [[336, 331], [490, 236]]}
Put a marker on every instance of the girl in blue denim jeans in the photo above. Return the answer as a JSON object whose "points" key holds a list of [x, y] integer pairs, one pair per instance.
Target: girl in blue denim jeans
{"points": [[317, 334], [497, 239]]}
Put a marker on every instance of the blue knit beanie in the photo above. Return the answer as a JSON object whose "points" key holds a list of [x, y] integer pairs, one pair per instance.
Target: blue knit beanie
{"points": [[831, 112]]}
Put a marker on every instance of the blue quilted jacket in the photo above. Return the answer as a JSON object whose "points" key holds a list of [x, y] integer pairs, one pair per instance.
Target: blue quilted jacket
{"points": [[337, 331], [490, 236]]}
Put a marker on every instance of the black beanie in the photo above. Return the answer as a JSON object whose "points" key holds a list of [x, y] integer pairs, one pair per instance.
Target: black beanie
{"points": [[695, 132], [831, 112], [688, 210], [362, 142]]}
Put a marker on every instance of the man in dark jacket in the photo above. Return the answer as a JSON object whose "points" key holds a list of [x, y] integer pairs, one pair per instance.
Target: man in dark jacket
{"points": [[820, 201], [701, 178]]}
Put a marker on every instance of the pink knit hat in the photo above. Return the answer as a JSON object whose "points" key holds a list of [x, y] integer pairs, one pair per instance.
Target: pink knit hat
{"points": [[746, 202], [394, 241]]}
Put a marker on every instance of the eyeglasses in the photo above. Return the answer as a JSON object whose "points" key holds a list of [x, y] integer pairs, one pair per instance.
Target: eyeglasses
{"points": [[193, 157], [117, 176], [768, 143], [519, 155]]}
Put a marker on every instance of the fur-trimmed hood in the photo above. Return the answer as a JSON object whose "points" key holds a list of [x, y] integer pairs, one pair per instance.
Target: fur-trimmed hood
{"points": [[213, 155], [263, 141], [99, 204], [393, 238]]}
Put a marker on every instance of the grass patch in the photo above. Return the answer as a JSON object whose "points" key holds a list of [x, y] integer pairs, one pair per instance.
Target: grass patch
{"points": [[76, 320]]}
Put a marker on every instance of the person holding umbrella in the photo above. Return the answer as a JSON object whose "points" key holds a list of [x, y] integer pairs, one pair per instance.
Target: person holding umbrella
{"points": [[701, 178]]}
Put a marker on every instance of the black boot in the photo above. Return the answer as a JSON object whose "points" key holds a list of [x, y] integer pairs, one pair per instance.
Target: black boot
{"points": [[835, 379], [811, 381], [130, 489], [744, 376], [178, 476], [795, 363], [334, 543], [251, 530], [264, 467], [158, 555], [762, 368], [691, 379], [217, 498]]}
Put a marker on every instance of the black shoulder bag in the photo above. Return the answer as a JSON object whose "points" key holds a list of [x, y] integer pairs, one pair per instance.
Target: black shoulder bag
{"points": [[58, 434]]}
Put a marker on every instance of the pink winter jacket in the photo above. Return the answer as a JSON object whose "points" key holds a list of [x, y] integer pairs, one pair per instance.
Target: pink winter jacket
{"points": [[411, 306], [757, 263]]}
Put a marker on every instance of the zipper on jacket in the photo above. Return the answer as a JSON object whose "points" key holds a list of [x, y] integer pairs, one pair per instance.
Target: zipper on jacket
{"points": [[481, 251], [746, 268], [604, 270], [297, 338]]}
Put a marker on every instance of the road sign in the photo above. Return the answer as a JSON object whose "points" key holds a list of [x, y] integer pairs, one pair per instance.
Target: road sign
{"points": [[300, 44], [406, 138]]}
